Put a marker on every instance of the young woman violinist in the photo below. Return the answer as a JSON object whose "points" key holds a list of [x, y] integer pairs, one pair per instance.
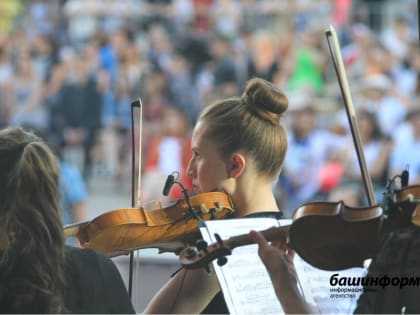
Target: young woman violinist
{"points": [[239, 146], [39, 274]]}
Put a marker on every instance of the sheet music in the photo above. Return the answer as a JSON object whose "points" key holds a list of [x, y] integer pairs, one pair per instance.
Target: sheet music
{"points": [[244, 280], [246, 284], [318, 291]]}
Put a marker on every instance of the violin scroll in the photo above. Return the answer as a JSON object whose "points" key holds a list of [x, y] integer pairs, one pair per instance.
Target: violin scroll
{"points": [[195, 257], [198, 257]]}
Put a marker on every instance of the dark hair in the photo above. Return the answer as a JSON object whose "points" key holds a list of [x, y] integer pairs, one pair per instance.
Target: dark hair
{"points": [[32, 258], [376, 129], [251, 123]]}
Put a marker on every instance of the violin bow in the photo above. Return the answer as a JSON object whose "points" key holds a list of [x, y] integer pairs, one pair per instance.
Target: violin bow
{"points": [[351, 114], [418, 18], [137, 103]]}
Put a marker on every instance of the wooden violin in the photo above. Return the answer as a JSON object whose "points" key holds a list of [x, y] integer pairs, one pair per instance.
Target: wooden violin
{"points": [[352, 236], [172, 228], [334, 250]]}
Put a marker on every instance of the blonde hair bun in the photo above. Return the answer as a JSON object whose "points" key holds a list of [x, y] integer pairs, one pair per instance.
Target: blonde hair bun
{"points": [[265, 100]]}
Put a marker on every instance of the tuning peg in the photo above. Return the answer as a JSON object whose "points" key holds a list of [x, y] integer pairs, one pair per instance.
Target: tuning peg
{"points": [[201, 245], [204, 209], [221, 261], [218, 206], [218, 239]]}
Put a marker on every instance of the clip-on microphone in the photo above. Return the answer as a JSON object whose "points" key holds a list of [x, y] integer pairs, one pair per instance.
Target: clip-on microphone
{"points": [[404, 178], [168, 184], [170, 181]]}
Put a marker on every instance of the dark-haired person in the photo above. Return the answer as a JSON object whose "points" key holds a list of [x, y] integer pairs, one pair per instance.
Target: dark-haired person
{"points": [[39, 274], [239, 145]]}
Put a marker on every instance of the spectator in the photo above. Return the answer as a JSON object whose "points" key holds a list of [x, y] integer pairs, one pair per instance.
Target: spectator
{"points": [[167, 153], [377, 95], [309, 148], [264, 58], [308, 65], [24, 97], [405, 153], [225, 76], [376, 150], [73, 194]]}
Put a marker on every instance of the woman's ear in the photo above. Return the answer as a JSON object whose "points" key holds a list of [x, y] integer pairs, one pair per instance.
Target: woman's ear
{"points": [[236, 165]]}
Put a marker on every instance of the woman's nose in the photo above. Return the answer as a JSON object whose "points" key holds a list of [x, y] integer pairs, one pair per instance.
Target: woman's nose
{"points": [[189, 168]]}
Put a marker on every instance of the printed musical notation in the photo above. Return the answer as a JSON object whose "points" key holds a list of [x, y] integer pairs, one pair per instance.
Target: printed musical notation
{"points": [[244, 280], [246, 284], [322, 294]]}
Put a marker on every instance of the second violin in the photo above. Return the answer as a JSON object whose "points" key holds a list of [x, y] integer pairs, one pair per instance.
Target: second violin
{"points": [[338, 247]]}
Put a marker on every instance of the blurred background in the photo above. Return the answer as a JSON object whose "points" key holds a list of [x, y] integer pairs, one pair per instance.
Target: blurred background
{"points": [[69, 69]]}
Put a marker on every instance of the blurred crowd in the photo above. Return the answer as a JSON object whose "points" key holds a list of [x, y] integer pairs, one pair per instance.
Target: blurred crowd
{"points": [[71, 68]]}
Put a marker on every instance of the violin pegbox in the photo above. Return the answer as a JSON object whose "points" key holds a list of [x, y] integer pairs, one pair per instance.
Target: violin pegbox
{"points": [[217, 208], [194, 257], [204, 210]]}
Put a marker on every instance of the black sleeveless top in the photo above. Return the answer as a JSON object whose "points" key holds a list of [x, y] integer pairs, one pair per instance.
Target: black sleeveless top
{"points": [[218, 305], [94, 284]]}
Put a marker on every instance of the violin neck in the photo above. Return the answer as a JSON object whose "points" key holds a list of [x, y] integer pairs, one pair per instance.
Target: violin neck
{"points": [[271, 234]]}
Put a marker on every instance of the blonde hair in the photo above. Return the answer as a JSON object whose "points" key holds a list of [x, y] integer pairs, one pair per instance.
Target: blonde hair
{"points": [[251, 123]]}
